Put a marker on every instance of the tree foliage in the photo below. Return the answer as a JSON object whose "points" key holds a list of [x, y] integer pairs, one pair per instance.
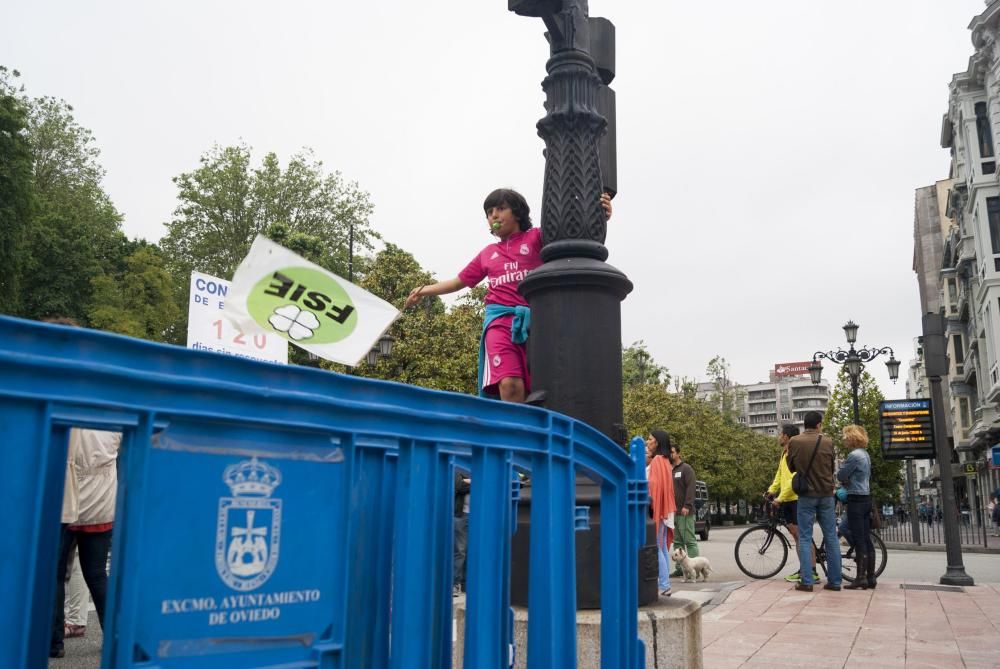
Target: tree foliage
{"points": [[734, 461], [226, 201], [726, 395], [17, 194], [139, 301], [435, 347], [65, 230], [638, 366], [887, 475]]}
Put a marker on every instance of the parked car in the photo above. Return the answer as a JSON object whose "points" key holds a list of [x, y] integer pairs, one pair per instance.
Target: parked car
{"points": [[702, 518]]}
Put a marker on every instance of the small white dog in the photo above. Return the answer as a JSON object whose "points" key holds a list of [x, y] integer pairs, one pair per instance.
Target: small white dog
{"points": [[691, 566]]}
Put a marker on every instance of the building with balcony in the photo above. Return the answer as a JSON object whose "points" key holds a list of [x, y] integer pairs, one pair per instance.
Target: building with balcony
{"points": [[766, 406], [957, 257]]}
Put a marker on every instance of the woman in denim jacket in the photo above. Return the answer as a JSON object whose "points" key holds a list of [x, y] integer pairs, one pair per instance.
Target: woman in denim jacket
{"points": [[855, 475]]}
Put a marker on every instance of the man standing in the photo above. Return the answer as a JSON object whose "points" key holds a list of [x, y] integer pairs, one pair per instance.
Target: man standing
{"points": [[684, 499], [811, 455], [462, 488], [785, 500]]}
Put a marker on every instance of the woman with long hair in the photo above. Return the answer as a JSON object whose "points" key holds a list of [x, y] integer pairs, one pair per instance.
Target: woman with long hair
{"points": [[659, 474]]}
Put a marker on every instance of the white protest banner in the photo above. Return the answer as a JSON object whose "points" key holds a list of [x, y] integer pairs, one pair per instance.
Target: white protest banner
{"points": [[279, 292], [209, 331]]}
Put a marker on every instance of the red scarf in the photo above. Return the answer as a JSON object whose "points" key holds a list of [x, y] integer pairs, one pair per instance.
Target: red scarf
{"points": [[661, 494]]}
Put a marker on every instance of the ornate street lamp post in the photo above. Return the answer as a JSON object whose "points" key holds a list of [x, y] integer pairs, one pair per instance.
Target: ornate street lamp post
{"points": [[854, 361], [575, 346]]}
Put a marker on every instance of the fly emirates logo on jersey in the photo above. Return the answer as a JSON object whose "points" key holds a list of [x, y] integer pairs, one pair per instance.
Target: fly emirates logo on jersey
{"points": [[511, 274]]}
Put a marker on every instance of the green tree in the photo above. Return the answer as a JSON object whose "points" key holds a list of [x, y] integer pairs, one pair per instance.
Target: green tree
{"points": [[227, 201], [435, 347], [887, 476], [139, 302], [726, 395], [638, 366], [73, 231], [17, 191], [734, 461]]}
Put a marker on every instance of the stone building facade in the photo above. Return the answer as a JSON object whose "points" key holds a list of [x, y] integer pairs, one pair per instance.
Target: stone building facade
{"points": [[961, 217]]}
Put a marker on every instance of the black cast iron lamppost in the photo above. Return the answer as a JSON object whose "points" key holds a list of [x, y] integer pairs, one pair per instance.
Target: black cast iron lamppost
{"points": [[574, 350], [854, 360]]}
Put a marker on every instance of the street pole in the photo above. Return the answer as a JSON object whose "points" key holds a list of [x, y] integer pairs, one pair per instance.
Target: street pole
{"points": [[936, 366], [350, 253], [575, 349], [912, 502], [854, 398]]}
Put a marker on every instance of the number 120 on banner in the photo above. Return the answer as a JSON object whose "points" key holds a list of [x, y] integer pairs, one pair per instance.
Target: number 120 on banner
{"points": [[209, 330]]}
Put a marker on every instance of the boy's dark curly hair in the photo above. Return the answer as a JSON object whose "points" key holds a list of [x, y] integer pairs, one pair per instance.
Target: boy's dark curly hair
{"points": [[518, 205]]}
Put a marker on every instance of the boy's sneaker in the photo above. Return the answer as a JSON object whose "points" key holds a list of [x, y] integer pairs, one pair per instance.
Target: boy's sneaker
{"points": [[794, 578]]}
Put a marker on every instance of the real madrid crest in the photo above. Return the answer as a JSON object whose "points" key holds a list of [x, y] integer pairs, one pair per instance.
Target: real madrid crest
{"points": [[248, 533]]}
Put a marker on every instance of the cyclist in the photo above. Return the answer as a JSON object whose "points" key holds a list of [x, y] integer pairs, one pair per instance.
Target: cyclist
{"points": [[784, 499]]}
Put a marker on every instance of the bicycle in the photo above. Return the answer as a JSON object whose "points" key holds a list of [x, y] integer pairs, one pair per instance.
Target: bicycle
{"points": [[762, 551]]}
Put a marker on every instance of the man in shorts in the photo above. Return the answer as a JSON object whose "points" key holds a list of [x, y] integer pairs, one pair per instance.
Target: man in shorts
{"points": [[784, 498]]}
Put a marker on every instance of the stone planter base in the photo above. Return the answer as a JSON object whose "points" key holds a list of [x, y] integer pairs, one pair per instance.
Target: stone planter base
{"points": [[670, 629]]}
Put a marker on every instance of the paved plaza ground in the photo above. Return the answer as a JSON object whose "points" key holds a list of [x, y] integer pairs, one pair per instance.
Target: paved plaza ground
{"points": [[770, 624]]}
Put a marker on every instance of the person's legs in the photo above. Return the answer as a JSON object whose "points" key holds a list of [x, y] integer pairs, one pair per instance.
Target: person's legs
{"points": [[663, 556], [94, 549], [58, 614], [461, 546], [806, 518], [506, 364], [690, 538], [858, 538], [76, 597], [827, 517], [512, 389], [869, 546]]}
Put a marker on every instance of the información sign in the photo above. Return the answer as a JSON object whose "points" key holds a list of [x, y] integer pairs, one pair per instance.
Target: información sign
{"points": [[907, 429]]}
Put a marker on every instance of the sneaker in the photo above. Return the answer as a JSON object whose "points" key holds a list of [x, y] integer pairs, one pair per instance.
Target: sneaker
{"points": [[794, 578], [815, 576]]}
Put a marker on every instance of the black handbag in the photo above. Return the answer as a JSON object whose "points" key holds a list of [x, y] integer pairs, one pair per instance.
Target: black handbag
{"points": [[799, 483]]}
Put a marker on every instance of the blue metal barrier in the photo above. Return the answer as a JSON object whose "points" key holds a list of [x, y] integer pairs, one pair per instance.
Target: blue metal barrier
{"points": [[281, 516]]}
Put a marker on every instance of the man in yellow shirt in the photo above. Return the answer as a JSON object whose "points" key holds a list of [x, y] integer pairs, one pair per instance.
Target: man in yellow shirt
{"points": [[784, 498]]}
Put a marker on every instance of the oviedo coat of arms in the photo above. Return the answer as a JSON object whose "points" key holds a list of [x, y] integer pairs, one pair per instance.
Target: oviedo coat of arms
{"points": [[248, 532]]}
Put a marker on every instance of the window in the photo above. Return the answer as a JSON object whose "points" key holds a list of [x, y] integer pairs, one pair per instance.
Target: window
{"points": [[993, 216], [952, 295], [965, 416], [959, 350], [985, 135], [785, 415]]}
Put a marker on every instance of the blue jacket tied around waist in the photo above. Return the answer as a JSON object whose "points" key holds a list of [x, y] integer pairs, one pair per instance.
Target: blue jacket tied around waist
{"points": [[518, 331]]}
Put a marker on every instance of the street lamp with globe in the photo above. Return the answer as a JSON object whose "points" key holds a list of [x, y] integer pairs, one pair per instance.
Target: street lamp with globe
{"points": [[854, 361]]}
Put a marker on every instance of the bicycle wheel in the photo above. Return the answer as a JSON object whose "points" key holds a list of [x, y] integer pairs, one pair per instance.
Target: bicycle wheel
{"points": [[848, 567], [881, 555], [761, 552]]}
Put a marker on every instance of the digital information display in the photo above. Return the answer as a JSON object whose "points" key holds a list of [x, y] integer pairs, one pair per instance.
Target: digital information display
{"points": [[907, 429]]}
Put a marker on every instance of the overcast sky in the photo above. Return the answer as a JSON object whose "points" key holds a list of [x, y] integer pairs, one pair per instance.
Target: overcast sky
{"points": [[768, 151]]}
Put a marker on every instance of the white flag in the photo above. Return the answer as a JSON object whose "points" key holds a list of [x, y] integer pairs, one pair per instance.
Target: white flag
{"points": [[277, 291]]}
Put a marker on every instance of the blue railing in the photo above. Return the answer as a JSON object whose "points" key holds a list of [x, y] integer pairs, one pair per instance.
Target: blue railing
{"points": [[283, 516]]}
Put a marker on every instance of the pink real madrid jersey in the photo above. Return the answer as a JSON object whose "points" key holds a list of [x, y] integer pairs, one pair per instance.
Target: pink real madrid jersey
{"points": [[505, 263]]}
